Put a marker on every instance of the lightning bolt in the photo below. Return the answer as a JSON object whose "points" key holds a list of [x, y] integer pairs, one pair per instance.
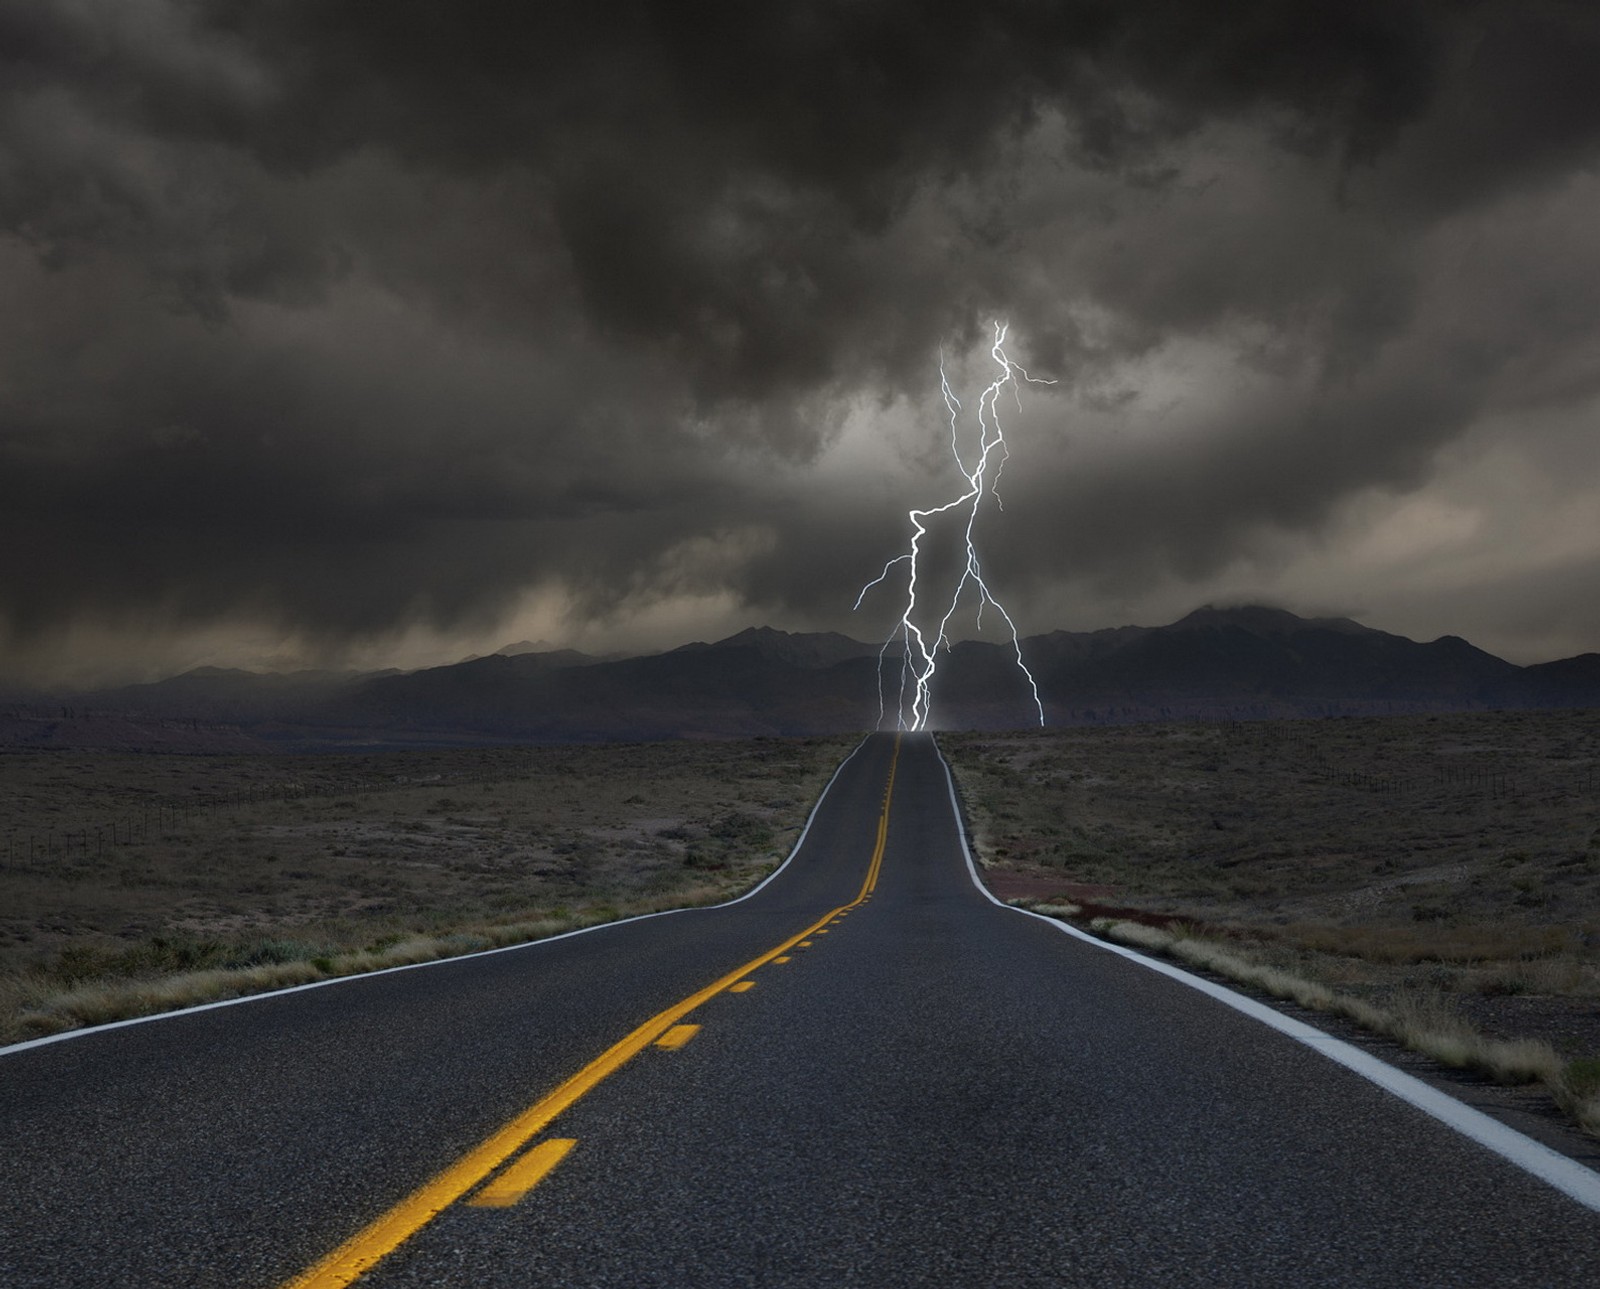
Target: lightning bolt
{"points": [[919, 658]]}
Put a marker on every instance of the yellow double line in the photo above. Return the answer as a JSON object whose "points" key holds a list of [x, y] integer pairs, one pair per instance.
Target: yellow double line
{"points": [[359, 1254]]}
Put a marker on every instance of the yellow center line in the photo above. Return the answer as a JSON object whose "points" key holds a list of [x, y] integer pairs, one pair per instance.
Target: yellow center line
{"points": [[741, 986], [523, 1175], [362, 1251], [677, 1036]]}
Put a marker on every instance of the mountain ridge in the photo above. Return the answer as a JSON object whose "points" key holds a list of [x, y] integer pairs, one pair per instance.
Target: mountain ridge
{"points": [[1243, 662]]}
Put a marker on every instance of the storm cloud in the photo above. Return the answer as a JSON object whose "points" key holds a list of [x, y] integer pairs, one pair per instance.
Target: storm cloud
{"points": [[331, 326]]}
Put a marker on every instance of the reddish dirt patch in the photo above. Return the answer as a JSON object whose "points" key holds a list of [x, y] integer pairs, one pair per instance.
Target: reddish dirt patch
{"points": [[1010, 885]]}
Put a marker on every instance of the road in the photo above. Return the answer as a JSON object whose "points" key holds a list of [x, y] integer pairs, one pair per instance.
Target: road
{"points": [[874, 1076]]}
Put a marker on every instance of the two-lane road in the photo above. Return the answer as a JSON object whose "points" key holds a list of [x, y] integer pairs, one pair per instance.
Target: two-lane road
{"points": [[866, 1073]]}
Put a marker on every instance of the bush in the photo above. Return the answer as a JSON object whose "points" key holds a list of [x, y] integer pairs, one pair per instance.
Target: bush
{"points": [[741, 829], [1582, 1077]]}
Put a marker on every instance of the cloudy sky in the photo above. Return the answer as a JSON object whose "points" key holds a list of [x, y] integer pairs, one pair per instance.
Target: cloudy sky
{"points": [[339, 333]]}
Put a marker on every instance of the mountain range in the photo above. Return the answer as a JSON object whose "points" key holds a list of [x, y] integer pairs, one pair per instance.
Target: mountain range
{"points": [[1229, 663]]}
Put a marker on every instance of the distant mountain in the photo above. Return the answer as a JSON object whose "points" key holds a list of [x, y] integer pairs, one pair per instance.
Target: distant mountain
{"points": [[525, 646], [1243, 663], [803, 649], [546, 657], [1256, 662], [554, 656], [226, 694], [747, 685], [1568, 682]]}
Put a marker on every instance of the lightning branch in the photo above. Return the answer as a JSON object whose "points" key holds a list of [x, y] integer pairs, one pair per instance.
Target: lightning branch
{"points": [[921, 641]]}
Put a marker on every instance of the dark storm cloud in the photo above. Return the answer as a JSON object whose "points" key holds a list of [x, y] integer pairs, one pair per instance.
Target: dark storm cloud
{"points": [[332, 481], [347, 315], [710, 165]]}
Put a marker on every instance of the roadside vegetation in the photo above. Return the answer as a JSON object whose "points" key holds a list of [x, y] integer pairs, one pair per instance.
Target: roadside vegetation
{"points": [[131, 884], [1435, 879]]}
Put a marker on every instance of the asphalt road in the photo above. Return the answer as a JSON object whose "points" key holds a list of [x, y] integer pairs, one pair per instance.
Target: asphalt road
{"points": [[927, 1089]]}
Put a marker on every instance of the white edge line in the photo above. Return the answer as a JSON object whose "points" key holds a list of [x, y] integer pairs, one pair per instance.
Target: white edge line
{"points": [[1567, 1175], [89, 1030]]}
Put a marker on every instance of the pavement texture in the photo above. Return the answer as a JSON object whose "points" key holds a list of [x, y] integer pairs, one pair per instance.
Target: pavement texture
{"points": [[930, 1090]]}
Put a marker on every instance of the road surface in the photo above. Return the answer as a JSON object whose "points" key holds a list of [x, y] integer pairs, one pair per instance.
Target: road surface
{"points": [[867, 1073]]}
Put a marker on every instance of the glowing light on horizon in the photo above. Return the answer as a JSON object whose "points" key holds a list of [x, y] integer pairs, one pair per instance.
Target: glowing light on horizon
{"points": [[919, 659]]}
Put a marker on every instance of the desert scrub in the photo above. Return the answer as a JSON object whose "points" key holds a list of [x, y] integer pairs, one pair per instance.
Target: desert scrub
{"points": [[1578, 1090], [37, 1004], [398, 858]]}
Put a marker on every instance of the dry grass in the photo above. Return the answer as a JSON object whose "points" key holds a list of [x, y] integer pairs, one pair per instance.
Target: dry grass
{"points": [[394, 858], [1428, 1022], [1436, 879]]}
